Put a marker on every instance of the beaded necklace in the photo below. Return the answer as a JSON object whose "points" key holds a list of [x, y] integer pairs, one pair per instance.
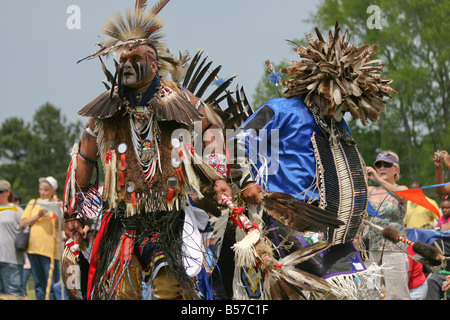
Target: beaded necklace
{"points": [[146, 138]]}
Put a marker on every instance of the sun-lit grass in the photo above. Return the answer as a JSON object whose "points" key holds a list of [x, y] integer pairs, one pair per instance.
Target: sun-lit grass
{"points": [[30, 288]]}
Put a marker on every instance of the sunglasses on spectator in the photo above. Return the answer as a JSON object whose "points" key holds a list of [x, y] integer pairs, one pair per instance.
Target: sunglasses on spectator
{"points": [[380, 164]]}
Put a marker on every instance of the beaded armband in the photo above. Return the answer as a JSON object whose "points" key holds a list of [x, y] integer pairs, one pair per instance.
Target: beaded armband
{"points": [[87, 158], [80, 203], [85, 206]]}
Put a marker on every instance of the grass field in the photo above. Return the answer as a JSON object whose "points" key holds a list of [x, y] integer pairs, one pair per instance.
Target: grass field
{"points": [[30, 288]]}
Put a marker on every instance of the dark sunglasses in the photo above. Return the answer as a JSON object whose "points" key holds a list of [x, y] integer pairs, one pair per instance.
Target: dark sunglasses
{"points": [[378, 165]]}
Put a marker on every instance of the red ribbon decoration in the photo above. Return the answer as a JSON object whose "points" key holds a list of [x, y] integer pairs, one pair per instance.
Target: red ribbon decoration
{"points": [[170, 195], [133, 199], [108, 156]]}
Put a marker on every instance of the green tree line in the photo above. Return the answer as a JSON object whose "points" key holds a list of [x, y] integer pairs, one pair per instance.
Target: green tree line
{"points": [[41, 148], [414, 46]]}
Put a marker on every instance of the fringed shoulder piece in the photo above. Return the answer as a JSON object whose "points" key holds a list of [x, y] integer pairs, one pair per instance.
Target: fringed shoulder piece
{"points": [[104, 106], [169, 104]]}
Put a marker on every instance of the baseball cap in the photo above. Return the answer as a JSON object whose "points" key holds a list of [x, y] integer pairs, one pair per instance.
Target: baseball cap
{"points": [[4, 186], [51, 181], [386, 157]]}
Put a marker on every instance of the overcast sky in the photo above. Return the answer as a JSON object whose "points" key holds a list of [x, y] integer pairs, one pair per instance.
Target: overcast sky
{"points": [[39, 51]]}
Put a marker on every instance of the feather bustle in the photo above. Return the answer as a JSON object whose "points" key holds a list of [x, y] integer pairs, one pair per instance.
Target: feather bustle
{"points": [[297, 214]]}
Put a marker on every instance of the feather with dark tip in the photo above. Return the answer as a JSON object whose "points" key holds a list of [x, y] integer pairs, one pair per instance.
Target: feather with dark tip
{"points": [[276, 290], [247, 107], [305, 253], [297, 214], [156, 9], [195, 78], [319, 34], [213, 96], [108, 74], [233, 110], [114, 82], [109, 77], [199, 76], [235, 115], [211, 77], [303, 279], [212, 115], [140, 4], [191, 68], [285, 278], [237, 104], [222, 97], [106, 86]]}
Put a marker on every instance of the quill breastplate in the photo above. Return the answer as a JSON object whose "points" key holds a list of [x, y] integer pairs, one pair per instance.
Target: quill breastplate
{"points": [[342, 183]]}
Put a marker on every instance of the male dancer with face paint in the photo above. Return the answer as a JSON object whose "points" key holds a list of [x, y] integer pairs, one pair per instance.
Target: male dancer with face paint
{"points": [[138, 68], [146, 206]]}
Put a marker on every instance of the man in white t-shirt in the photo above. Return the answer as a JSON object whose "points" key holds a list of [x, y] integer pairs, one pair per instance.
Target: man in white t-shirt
{"points": [[11, 260]]}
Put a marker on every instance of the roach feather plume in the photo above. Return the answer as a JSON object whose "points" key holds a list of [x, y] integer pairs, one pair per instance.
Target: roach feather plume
{"points": [[131, 30]]}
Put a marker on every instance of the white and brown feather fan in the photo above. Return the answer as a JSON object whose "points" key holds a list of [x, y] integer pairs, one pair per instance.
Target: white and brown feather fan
{"points": [[284, 279], [343, 74]]}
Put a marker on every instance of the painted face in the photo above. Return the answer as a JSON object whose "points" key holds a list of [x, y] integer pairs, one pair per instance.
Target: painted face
{"points": [[138, 67]]}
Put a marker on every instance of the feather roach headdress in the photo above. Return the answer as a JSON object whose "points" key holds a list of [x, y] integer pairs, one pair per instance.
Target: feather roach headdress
{"points": [[341, 73], [132, 29]]}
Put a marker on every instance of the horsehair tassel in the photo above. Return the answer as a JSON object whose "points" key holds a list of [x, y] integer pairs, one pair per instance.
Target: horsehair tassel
{"points": [[394, 235], [245, 249], [428, 251], [419, 247]]}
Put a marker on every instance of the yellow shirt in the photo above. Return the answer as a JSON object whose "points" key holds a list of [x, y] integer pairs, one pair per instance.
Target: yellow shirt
{"points": [[44, 239], [416, 216]]}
